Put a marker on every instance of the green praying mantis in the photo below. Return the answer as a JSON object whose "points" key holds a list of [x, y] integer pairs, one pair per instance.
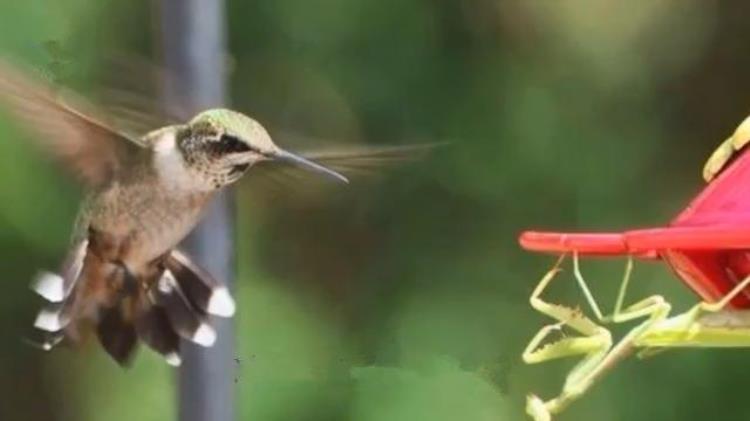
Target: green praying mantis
{"points": [[707, 245], [704, 325]]}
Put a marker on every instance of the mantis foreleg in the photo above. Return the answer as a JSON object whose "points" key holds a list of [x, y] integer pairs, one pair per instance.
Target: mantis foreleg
{"points": [[594, 345]]}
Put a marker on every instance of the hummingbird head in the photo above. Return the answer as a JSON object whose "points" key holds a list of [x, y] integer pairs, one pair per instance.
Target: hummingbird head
{"points": [[222, 145]]}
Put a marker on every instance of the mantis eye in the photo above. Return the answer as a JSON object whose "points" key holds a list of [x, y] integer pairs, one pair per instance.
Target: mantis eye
{"points": [[232, 144]]}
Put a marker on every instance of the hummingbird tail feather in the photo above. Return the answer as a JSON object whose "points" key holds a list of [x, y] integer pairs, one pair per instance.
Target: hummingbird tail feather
{"points": [[187, 321], [56, 288], [117, 334], [154, 329], [178, 304], [138, 316], [49, 318], [49, 286], [200, 288]]}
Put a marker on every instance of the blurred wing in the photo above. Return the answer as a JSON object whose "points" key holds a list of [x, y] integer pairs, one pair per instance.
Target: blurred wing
{"points": [[352, 163], [84, 144], [366, 161], [130, 93], [292, 185]]}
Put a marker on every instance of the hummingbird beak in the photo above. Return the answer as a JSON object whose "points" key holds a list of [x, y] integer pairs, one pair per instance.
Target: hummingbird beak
{"points": [[284, 156]]}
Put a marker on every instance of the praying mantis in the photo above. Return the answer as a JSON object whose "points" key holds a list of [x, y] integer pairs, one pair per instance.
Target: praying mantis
{"points": [[708, 247]]}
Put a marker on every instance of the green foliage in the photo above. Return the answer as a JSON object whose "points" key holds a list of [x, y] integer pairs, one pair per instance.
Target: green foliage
{"points": [[439, 390]]}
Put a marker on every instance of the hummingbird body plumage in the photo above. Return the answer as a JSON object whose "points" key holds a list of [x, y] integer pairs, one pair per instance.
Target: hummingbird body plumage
{"points": [[149, 206]]}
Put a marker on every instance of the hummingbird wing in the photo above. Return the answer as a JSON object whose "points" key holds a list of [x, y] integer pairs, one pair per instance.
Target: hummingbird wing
{"points": [[366, 161], [130, 93], [87, 146], [281, 181]]}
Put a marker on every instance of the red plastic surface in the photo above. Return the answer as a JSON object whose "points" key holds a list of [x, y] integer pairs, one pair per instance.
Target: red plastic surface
{"points": [[707, 244], [584, 243]]}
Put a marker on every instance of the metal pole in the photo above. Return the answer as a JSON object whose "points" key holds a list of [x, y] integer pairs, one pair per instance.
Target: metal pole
{"points": [[193, 41]]}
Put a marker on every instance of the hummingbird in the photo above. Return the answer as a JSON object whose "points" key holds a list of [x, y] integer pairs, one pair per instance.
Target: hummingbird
{"points": [[124, 277]]}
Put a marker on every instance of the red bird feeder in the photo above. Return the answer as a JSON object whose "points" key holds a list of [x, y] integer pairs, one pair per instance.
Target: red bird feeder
{"points": [[707, 244]]}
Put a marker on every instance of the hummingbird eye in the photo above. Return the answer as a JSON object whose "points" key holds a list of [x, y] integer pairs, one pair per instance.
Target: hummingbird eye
{"points": [[232, 144]]}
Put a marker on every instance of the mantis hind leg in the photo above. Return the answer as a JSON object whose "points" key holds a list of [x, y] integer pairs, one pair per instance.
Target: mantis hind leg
{"points": [[684, 323], [719, 305]]}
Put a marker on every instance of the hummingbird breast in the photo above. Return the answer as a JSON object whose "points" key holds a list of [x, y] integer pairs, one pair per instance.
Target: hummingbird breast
{"points": [[142, 219]]}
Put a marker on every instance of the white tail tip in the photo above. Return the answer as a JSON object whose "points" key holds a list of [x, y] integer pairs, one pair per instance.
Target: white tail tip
{"points": [[50, 286], [173, 359], [221, 303], [166, 282], [48, 321], [205, 335]]}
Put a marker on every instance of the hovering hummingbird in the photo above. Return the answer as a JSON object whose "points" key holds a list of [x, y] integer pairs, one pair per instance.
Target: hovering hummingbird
{"points": [[123, 276]]}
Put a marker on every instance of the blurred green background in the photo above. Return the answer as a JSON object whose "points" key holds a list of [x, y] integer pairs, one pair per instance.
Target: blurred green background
{"points": [[404, 297]]}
